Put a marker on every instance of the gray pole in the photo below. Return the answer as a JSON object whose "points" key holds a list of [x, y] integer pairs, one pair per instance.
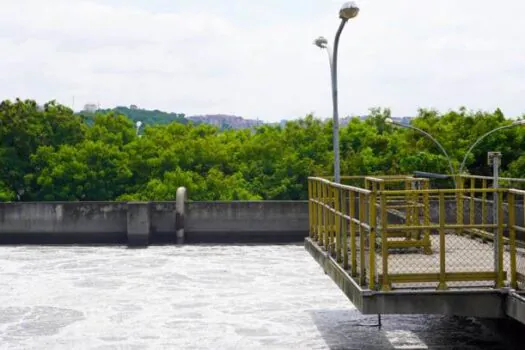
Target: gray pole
{"points": [[337, 171], [495, 159]]}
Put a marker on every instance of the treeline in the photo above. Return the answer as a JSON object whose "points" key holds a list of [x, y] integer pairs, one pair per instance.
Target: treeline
{"points": [[49, 153], [147, 117]]}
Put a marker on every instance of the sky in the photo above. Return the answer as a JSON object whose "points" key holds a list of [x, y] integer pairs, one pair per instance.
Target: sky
{"points": [[256, 58]]}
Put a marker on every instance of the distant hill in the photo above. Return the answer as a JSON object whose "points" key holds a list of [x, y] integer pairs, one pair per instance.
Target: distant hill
{"points": [[225, 121], [148, 117], [151, 117]]}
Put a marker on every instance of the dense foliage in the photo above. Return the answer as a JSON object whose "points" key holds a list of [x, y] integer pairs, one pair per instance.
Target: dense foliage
{"points": [[49, 153]]}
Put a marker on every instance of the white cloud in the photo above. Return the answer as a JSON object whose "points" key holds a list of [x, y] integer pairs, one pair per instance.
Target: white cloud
{"points": [[404, 54]]}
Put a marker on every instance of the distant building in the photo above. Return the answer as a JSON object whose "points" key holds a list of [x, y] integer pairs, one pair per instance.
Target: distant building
{"points": [[133, 107], [90, 107], [226, 121]]}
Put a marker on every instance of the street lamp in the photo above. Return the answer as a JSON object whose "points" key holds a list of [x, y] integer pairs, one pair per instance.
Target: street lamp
{"points": [[348, 10], [390, 121], [518, 122]]}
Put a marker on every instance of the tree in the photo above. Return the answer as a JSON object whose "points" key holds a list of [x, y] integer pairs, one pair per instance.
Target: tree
{"points": [[49, 153]]}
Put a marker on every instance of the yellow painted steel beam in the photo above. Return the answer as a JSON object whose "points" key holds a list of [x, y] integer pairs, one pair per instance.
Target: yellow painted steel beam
{"points": [[372, 243], [512, 240], [353, 243], [406, 244], [362, 233], [501, 279], [449, 277]]}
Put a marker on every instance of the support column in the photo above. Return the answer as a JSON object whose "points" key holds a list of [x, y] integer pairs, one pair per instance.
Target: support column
{"points": [[139, 223]]}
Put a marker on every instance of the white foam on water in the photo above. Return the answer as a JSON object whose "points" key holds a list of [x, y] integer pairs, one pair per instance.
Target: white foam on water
{"points": [[192, 297], [405, 340]]}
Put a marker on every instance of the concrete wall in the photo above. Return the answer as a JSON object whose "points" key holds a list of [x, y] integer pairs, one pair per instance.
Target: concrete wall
{"points": [[65, 222], [152, 222], [255, 221], [79, 222]]}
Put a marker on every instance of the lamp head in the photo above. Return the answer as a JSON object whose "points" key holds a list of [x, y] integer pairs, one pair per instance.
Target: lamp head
{"points": [[348, 10], [321, 42]]}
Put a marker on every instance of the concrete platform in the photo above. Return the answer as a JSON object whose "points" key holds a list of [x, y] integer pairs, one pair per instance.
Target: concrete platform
{"points": [[515, 307], [479, 302]]}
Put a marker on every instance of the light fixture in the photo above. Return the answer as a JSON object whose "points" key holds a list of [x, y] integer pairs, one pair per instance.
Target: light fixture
{"points": [[348, 10]]}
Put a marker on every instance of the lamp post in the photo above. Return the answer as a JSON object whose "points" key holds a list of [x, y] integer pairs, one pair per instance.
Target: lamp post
{"points": [[137, 126], [518, 122], [390, 121], [348, 10]]}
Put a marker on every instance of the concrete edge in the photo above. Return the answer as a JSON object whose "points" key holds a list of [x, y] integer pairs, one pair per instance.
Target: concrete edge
{"points": [[515, 307], [349, 287], [451, 302], [246, 236]]}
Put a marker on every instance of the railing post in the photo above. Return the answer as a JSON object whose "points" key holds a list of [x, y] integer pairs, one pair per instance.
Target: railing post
{"points": [[408, 214], [442, 247], [315, 210], [484, 207], [326, 223], [512, 240], [426, 212], [319, 237], [459, 204], [385, 285], [372, 242], [332, 219], [362, 219], [337, 219], [500, 266], [310, 209], [472, 217], [344, 228], [353, 245]]}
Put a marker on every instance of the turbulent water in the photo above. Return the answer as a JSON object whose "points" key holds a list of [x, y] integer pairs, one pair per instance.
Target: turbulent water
{"points": [[199, 297]]}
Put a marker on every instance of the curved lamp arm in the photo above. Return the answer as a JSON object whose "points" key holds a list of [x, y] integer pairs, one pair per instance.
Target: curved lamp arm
{"points": [[482, 137], [390, 121]]}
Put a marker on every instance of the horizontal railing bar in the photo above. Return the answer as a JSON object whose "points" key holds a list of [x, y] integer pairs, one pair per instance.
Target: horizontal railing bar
{"points": [[405, 244], [341, 186], [448, 226], [340, 214], [513, 179], [449, 277], [518, 228], [446, 191]]}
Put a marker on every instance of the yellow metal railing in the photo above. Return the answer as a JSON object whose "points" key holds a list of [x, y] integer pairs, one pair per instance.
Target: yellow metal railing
{"points": [[343, 222], [416, 237], [515, 225]]}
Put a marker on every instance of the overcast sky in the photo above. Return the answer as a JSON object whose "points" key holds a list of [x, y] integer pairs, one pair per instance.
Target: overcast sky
{"points": [[256, 58]]}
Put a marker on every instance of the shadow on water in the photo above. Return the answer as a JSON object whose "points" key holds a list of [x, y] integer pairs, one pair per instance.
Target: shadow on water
{"points": [[349, 329]]}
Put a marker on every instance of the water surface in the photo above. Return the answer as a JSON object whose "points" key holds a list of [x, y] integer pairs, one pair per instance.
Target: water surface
{"points": [[199, 297]]}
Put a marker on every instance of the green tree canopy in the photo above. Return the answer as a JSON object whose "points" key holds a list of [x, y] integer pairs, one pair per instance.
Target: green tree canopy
{"points": [[49, 153]]}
